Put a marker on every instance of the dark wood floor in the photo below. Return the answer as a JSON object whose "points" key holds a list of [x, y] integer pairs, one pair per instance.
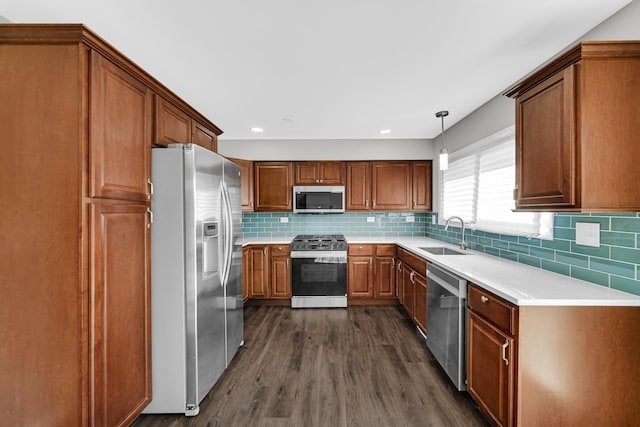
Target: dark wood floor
{"points": [[360, 366]]}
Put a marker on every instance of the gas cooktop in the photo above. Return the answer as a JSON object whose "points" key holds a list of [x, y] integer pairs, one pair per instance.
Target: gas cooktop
{"points": [[319, 242]]}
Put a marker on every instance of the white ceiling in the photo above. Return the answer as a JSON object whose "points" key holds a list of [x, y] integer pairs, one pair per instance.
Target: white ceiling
{"points": [[331, 69]]}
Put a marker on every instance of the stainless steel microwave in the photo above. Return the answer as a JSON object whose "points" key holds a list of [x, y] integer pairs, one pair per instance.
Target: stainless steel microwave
{"points": [[318, 199]]}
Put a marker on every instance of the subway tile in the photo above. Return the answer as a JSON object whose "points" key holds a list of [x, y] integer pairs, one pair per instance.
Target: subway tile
{"points": [[529, 241], [625, 285], [556, 267], [590, 275], [564, 233], [542, 253], [522, 249], [612, 267], [616, 238], [500, 244], [602, 251], [562, 220], [624, 254], [508, 255], [484, 241], [492, 251], [508, 238], [572, 259], [558, 244], [625, 224], [529, 260]]}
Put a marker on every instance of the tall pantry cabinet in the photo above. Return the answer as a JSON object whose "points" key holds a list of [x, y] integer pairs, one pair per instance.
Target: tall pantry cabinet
{"points": [[76, 125]]}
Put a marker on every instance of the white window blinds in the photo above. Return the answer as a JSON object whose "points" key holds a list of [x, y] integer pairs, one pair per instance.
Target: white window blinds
{"points": [[478, 186]]}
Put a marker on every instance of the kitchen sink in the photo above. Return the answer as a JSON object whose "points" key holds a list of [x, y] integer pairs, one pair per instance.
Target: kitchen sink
{"points": [[441, 250]]}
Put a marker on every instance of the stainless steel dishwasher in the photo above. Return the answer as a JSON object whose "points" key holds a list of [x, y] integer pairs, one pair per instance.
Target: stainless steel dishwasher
{"points": [[446, 322]]}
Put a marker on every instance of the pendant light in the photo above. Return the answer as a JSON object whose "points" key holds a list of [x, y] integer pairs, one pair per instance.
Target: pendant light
{"points": [[443, 160]]}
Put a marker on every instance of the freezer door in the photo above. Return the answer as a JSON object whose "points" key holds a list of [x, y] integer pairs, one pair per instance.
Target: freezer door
{"points": [[233, 285], [205, 319]]}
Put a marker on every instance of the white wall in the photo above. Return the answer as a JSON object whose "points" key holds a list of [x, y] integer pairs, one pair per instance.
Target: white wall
{"points": [[328, 149], [4, 20]]}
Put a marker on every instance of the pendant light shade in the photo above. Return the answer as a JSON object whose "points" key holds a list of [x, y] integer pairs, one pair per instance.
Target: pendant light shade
{"points": [[443, 160]]}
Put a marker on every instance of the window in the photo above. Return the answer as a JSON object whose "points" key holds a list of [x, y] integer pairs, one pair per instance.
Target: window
{"points": [[478, 186]]}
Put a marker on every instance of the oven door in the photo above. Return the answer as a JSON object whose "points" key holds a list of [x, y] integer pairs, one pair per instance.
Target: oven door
{"points": [[318, 273]]}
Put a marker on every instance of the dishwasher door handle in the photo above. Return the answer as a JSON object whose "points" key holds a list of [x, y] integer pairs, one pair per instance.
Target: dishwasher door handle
{"points": [[442, 283]]}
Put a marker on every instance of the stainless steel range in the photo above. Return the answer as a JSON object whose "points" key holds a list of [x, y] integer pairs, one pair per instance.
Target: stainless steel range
{"points": [[318, 271]]}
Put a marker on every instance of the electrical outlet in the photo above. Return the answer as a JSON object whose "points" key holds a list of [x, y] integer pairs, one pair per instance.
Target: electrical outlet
{"points": [[284, 219], [410, 219], [588, 234], [371, 219], [433, 219]]}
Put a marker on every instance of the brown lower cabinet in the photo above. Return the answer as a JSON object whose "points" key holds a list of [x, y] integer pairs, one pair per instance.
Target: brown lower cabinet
{"points": [[552, 365], [371, 273], [267, 271], [412, 286]]}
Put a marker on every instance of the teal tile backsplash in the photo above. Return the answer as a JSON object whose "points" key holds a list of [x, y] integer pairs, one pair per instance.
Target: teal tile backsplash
{"points": [[616, 263], [385, 224]]}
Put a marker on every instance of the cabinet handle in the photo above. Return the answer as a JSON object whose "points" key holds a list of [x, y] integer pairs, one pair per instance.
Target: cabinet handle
{"points": [[411, 276], [321, 181], [287, 262], [484, 299], [150, 188], [366, 203], [504, 352], [393, 263], [150, 212], [265, 251]]}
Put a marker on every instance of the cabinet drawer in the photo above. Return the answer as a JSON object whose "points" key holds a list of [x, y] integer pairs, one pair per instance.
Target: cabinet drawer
{"points": [[414, 261], [360, 249], [494, 309], [280, 250], [386, 250]]}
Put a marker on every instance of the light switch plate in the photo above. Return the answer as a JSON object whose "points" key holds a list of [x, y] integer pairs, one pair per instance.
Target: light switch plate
{"points": [[588, 234], [284, 219], [411, 219], [371, 219]]}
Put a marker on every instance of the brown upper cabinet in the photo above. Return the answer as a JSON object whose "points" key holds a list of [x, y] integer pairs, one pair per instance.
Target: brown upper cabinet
{"points": [[273, 189], [174, 126], [246, 183], [577, 131], [389, 186], [321, 173]]}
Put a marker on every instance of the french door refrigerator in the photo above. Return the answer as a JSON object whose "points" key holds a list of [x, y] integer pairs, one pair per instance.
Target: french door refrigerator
{"points": [[196, 274]]}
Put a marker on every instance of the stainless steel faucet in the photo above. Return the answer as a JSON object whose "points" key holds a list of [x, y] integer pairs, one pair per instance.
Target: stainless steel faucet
{"points": [[463, 245]]}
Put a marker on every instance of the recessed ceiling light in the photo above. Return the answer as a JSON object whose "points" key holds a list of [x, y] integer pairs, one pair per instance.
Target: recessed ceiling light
{"points": [[256, 130], [385, 131]]}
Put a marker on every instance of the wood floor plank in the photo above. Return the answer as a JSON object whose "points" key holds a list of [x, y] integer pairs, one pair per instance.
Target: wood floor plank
{"points": [[360, 366]]}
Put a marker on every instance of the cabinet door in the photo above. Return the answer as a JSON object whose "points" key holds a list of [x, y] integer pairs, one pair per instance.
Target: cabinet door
{"points": [[204, 136], [246, 183], [391, 186], [420, 301], [332, 173], [258, 271], [307, 173], [358, 190], [246, 275], [407, 289], [421, 186], [400, 281], [120, 133], [360, 276], [490, 369], [385, 277], [280, 277], [273, 186], [172, 125], [120, 350], [546, 143]]}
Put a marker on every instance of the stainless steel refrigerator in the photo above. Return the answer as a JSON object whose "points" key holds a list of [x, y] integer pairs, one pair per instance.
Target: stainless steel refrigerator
{"points": [[196, 274]]}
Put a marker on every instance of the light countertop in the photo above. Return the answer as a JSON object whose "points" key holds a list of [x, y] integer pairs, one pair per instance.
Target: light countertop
{"points": [[515, 282]]}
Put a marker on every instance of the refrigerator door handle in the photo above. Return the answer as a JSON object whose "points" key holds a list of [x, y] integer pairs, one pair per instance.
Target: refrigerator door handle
{"points": [[227, 233]]}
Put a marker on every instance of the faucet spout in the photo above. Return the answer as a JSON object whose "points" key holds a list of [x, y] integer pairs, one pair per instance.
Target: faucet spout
{"points": [[463, 245]]}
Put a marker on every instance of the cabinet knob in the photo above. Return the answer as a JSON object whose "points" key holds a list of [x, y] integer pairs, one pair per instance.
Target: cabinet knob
{"points": [[484, 299]]}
